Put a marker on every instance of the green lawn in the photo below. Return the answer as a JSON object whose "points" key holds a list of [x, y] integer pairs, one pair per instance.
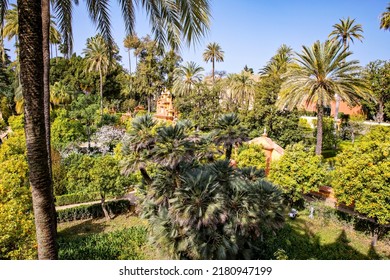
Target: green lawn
{"points": [[324, 237], [327, 238]]}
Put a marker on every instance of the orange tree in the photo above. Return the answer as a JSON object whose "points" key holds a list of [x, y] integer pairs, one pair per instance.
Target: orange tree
{"points": [[362, 178]]}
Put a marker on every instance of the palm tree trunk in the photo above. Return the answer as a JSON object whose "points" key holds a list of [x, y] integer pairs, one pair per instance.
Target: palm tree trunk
{"points": [[337, 97], [228, 153], [320, 114], [31, 75], [46, 74], [213, 71], [129, 63], [336, 110], [145, 175], [101, 92], [56, 52]]}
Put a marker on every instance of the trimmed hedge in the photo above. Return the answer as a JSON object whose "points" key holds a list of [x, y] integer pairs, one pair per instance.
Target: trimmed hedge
{"points": [[93, 211], [74, 198]]}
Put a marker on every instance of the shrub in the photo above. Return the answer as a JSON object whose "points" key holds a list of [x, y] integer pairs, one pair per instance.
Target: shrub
{"points": [[298, 172], [92, 211], [250, 155]]}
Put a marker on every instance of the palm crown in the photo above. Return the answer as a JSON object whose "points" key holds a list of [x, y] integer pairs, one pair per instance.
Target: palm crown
{"points": [[346, 31], [213, 53], [385, 18], [322, 72]]}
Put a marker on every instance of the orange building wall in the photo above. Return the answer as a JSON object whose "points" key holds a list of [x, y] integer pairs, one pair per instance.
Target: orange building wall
{"points": [[344, 108]]}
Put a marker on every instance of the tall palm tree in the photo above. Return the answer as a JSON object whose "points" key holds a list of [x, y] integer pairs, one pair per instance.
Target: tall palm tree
{"points": [[385, 18], [345, 31], [131, 42], [213, 52], [31, 68], [323, 71], [97, 59], [186, 78]]}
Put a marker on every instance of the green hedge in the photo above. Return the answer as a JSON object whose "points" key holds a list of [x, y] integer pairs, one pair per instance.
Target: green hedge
{"points": [[74, 198], [92, 211]]}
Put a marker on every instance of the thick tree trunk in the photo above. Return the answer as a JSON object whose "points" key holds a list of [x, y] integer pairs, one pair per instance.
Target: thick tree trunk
{"points": [[149, 104], [320, 114], [104, 207], [31, 74], [379, 115]]}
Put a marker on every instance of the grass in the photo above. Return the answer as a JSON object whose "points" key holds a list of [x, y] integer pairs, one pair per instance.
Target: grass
{"points": [[326, 237], [124, 237]]}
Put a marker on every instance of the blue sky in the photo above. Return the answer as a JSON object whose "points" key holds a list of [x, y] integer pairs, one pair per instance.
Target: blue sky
{"points": [[250, 31]]}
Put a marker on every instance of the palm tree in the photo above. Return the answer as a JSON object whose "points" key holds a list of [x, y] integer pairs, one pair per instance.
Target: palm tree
{"points": [[243, 87], [345, 31], [97, 59], [60, 94], [186, 78], [31, 68], [138, 145], [171, 21], [131, 42], [11, 25], [213, 52], [278, 64], [229, 133], [385, 18], [323, 71]]}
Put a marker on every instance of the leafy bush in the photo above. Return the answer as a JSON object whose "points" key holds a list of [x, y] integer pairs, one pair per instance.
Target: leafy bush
{"points": [[65, 130], [17, 230], [92, 211], [123, 244], [362, 175], [250, 155], [16, 122], [298, 172]]}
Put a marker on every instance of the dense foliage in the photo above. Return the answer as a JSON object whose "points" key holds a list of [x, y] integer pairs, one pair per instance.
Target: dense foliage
{"points": [[200, 210], [362, 175], [298, 172], [17, 231]]}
